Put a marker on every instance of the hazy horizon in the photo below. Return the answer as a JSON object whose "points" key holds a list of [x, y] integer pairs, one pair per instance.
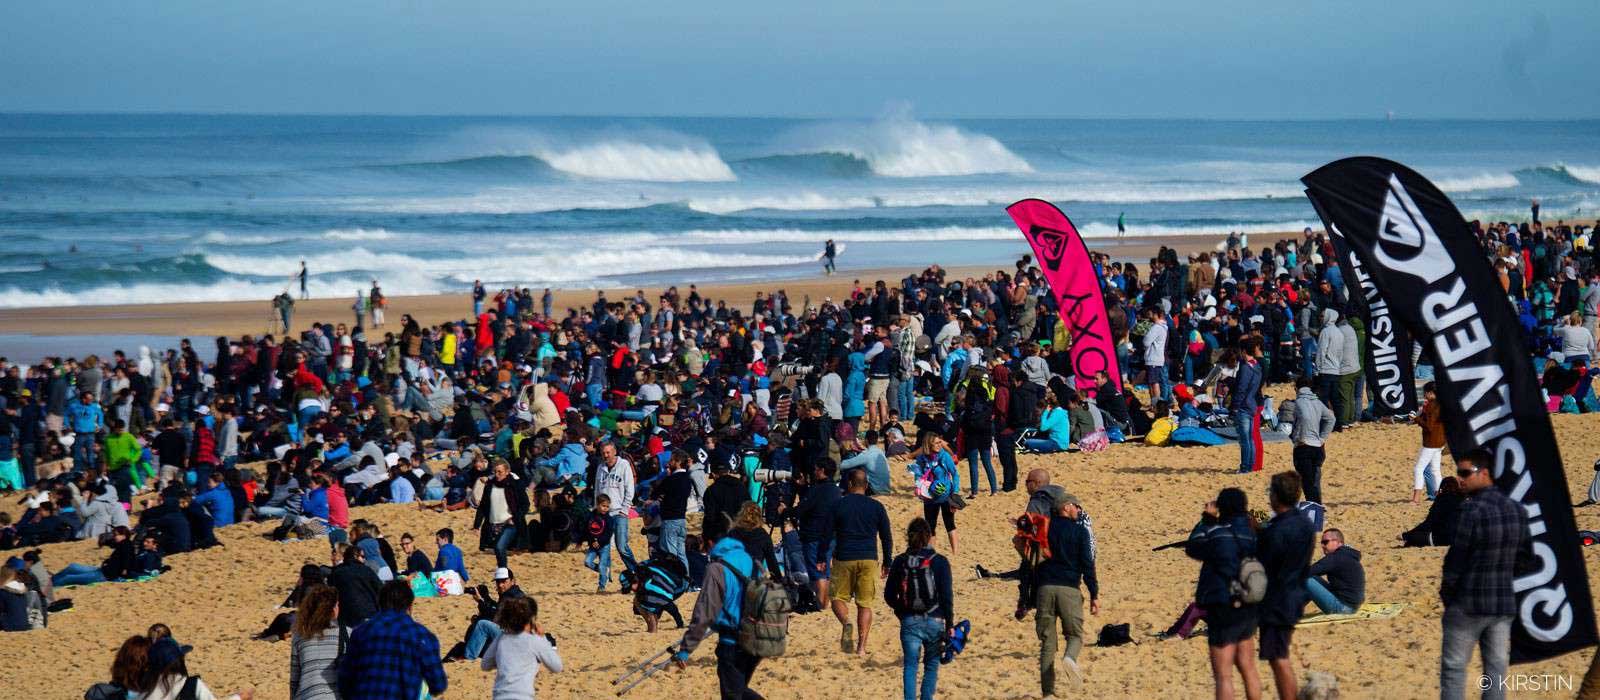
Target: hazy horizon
{"points": [[1230, 60]]}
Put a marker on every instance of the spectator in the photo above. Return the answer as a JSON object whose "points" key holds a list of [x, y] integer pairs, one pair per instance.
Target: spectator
{"points": [[391, 656]]}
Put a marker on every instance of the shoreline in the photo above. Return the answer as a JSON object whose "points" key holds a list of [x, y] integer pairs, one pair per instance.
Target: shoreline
{"points": [[203, 319]]}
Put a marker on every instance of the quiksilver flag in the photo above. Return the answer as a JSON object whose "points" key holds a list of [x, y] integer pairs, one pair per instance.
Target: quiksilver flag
{"points": [[1428, 266], [1387, 352], [1066, 266]]}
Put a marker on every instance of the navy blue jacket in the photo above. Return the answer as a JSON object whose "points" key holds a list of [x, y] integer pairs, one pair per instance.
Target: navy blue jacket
{"points": [[1071, 561], [1246, 388], [1219, 547], [856, 525], [815, 508], [1285, 550]]}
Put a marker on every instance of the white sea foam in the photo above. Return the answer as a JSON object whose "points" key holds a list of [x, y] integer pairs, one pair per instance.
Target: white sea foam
{"points": [[1586, 173], [633, 160], [357, 234], [900, 146], [1480, 181], [224, 238]]}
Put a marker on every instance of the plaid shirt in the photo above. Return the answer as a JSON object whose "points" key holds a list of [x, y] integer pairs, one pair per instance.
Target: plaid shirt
{"points": [[388, 658], [1491, 538]]}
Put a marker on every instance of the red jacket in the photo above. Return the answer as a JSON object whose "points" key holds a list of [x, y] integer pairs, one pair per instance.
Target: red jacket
{"points": [[338, 507]]}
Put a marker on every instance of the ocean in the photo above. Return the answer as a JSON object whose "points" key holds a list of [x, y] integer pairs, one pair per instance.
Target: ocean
{"points": [[111, 209]]}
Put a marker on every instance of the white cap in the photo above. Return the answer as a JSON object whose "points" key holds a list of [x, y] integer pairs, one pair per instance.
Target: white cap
{"points": [[203, 410], [502, 574], [391, 459], [163, 407]]}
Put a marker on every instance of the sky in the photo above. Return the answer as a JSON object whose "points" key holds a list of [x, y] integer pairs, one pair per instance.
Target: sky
{"points": [[1222, 59]]}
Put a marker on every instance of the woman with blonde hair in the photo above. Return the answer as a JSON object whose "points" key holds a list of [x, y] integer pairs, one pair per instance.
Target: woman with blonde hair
{"points": [[317, 643], [749, 527]]}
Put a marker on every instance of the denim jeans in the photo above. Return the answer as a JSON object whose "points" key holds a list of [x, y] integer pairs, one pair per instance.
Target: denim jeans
{"points": [[479, 636], [1492, 634], [1244, 421], [599, 560], [1326, 601], [83, 452], [988, 467], [921, 635], [619, 538], [77, 575], [1041, 445], [508, 537], [271, 511], [672, 536], [906, 396]]}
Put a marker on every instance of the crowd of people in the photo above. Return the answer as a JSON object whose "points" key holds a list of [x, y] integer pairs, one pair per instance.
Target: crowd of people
{"points": [[776, 423]]}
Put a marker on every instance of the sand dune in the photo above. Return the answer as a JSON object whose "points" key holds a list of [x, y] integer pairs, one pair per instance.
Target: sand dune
{"points": [[1139, 497]]}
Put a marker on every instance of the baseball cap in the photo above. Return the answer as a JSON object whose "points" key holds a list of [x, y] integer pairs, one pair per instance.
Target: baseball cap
{"points": [[502, 574], [1062, 498], [203, 410]]}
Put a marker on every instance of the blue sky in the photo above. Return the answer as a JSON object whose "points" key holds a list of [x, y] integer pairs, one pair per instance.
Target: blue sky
{"points": [[1135, 58]]}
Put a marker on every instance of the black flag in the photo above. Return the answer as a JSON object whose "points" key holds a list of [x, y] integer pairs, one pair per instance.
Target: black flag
{"points": [[1388, 348], [1428, 266]]}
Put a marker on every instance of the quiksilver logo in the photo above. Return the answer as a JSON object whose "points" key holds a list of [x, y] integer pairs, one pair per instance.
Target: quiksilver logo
{"points": [[1406, 240]]}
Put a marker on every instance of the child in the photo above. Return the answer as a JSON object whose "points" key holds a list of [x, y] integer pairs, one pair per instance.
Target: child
{"points": [[894, 436], [516, 655], [697, 561], [655, 585], [596, 535], [449, 554]]}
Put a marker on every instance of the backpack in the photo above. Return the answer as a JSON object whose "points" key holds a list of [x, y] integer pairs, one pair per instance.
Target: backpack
{"points": [[918, 592], [1033, 535], [764, 616], [1250, 587]]}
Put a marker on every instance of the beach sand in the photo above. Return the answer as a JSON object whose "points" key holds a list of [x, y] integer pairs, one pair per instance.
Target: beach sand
{"points": [[1139, 497], [200, 320]]}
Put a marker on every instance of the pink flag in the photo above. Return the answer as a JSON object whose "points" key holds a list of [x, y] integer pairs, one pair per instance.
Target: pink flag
{"points": [[1065, 262]]}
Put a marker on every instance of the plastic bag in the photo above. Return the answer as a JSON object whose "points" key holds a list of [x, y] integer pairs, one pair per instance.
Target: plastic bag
{"points": [[447, 583]]}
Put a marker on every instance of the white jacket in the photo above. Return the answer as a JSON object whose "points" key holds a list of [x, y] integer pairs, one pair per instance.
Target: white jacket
{"points": [[616, 482]]}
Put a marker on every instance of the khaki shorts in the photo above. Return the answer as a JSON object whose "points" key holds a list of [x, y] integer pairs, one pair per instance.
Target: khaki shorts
{"points": [[856, 580], [877, 389]]}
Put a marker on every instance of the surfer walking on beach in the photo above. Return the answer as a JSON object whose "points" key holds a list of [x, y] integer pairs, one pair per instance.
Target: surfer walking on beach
{"points": [[829, 252], [1122, 223], [303, 293]]}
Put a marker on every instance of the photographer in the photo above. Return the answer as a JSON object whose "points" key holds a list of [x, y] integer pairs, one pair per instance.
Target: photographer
{"points": [[483, 629], [814, 509], [1221, 540]]}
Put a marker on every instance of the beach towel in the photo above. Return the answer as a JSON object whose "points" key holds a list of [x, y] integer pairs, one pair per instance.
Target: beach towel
{"points": [[1368, 611]]}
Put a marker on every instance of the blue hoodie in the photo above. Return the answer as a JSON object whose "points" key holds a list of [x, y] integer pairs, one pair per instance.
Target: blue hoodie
{"points": [[855, 387], [1057, 425], [570, 463]]}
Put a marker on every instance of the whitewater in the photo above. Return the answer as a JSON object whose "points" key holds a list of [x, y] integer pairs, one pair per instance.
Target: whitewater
{"points": [[152, 208]]}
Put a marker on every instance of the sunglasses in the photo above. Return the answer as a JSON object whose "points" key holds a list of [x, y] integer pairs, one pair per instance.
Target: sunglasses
{"points": [[1327, 541], [1465, 473]]}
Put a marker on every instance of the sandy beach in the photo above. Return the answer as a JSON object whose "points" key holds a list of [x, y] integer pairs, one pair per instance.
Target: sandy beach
{"points": [[1139, 497]]}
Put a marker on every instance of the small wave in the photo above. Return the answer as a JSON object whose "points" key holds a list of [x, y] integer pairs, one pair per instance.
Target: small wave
{"points": [[358, 234], [759, 236], [1482, 181], [1563, 173], [1097, 229], [632, 160], [900, 146], [223, 238]]}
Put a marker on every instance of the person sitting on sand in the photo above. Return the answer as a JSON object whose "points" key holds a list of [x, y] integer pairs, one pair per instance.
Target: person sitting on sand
{"points": [[1054, 431], [1338, 583], [1438, 529], [483, 629], [450, 557]]}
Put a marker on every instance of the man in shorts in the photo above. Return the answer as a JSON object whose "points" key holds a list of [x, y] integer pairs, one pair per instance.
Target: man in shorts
{"points": [[880, 366], [1284, 549], [856, 528]]}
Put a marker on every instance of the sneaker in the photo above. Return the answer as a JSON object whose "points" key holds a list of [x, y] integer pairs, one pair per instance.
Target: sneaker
{"points": [[982, 572], [1073, 671], [847, 639]]}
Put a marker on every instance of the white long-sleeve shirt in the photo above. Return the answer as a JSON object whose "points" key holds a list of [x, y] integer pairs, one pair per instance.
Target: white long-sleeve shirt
{"points": [[616, 481]]}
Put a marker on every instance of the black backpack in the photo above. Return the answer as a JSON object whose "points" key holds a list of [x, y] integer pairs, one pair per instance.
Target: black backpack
{"points": [[918, 592]]}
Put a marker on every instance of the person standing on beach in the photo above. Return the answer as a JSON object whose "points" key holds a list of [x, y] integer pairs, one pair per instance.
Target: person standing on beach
{"points": [[478, 295], [1313, 423], [1285, 548], [359, 307], [390, 656], [376, 302], [829, 252], [1476, 582], [1121, 223], [86, 420], [857, 525], [1070, 563], [920, 593], [303, 293], [1220, 541]]}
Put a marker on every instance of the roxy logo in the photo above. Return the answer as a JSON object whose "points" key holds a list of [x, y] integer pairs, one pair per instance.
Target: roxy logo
{"points": [[1052, 245]]}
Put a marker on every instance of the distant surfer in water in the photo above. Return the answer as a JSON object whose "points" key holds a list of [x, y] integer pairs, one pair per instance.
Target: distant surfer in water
{"points": [[829, 252]]}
